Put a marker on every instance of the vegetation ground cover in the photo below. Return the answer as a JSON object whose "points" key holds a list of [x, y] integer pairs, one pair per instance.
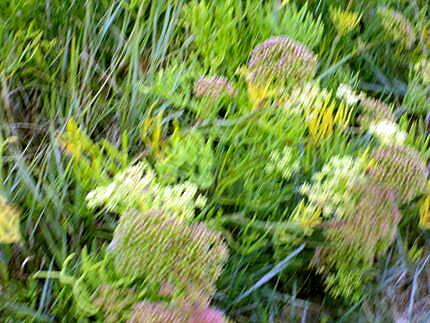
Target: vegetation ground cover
{"points": [[214, 161]]}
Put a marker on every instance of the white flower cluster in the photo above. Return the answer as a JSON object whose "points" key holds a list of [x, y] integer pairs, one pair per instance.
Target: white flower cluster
{"points": [[311, 94], [388, 132], [283, 162], [346, 93], [330, 187], [126, 189], [180, 199], [137, 188]]}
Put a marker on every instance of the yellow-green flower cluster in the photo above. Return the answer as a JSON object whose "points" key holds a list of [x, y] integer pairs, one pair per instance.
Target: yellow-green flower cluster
{"points": [[137, 188], [285, 163], [9, 223], [304, 97], [322, 114], [330, 188], [346, 93], [161, 249], [307, 216], [344, 21]]}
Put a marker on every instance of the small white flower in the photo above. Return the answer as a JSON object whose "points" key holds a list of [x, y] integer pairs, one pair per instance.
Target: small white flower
{"points": [[283, 162], [137, 187], [346, 93], [330, 188], [388, 132]]}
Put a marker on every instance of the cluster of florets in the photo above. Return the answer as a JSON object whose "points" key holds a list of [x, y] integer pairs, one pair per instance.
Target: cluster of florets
{"points": [[400, 169], [114, 302], [147, 312], [369, 225], [343, 20], [370, 214], [283, 162], [163, 250], [330, 190], [137, 188], [388, 132], [281, 59], [156, 243], [362, 208], [364, 233], [374, 110], [346, 93], [397, 26], [304, 98], [213, 87]]}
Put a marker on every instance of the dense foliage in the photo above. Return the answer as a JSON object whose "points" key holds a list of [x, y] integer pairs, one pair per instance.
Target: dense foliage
{"points": [[214, 161]]}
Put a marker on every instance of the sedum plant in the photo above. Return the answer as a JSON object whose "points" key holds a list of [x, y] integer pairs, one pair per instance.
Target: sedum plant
{"points": [[213, 87], [397, 26], [331, 189], [234, 113], [187, 157], [401, 169], [374, 110], [388, 132], [364, 233], [280, 61], [114, 302], [283, 162], [215, 30], [189, 257], [9, 223], [323, 116], [137, 187], [344, 21], [146, 312], [366, 214]]}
